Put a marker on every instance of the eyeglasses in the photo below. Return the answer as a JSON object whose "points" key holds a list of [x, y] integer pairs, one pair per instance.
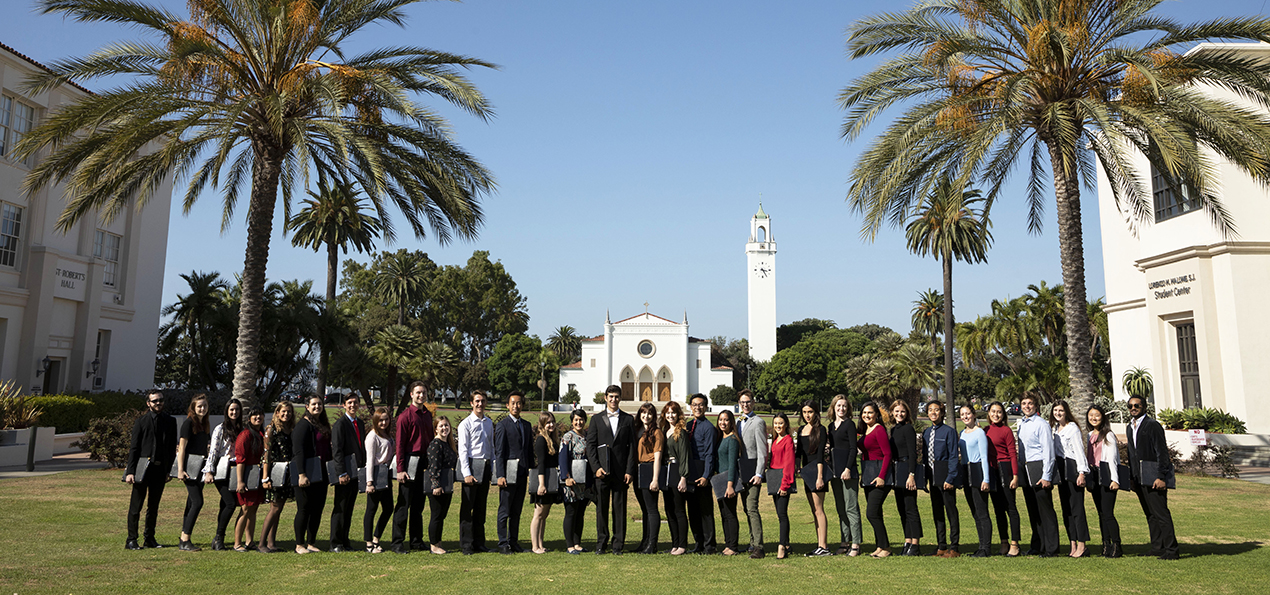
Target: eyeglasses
{"points": [[156, 401], [1135, 405]]}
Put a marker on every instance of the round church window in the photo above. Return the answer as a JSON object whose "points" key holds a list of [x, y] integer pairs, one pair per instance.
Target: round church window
{"points": [[646, 348]]}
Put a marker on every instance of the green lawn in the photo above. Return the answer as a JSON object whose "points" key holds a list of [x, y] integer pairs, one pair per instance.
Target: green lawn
{"points": [[65, 533]]}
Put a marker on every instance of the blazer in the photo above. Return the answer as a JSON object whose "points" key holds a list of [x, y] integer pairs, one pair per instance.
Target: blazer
{"points": [[753, 445], [304, 447], [947, 448], [510, 444], [1149, 445], [345, 441], [154, 436], [621, 445]]}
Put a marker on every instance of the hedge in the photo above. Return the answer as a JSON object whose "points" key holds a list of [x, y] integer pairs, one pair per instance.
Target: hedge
{"points": [[72, 413]]}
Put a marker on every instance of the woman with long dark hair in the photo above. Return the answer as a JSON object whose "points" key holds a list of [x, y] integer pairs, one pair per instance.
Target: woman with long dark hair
{"points": [[649, 444], [277, 450], [545, 459], [194, 438], [729, 458], [876, 446], [574, 489], [380, 450], [249, 448], [782, 458], [845, 484], [219, 460], [311, 434], [904, 449], [812, 439], [1004, 456], [1069, 452], [1103, 448], [676, 449]]}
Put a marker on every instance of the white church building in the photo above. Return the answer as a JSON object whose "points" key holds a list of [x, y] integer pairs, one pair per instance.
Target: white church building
{"points": [[655, 359]]}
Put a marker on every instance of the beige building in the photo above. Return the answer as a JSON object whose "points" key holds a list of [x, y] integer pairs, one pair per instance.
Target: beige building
{"points": [[78, 310], [1187, 303]]}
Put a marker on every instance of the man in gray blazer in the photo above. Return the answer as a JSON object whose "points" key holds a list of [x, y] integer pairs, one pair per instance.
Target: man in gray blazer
{"points": [[753, 432]]}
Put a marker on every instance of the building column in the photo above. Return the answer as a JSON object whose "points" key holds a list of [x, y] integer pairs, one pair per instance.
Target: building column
{"points": [[37, 318]]}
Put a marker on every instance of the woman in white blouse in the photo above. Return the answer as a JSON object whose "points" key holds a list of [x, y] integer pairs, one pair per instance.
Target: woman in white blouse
{"points": [[1069, 452], [220, 457], [1104, 456], [379, 451]]}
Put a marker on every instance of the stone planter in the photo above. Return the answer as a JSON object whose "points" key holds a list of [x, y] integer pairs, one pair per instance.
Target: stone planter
{"points": [[14, 445]]}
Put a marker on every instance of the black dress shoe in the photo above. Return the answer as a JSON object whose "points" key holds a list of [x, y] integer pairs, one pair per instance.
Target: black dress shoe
{"points": [[757, 554], [339, 549], [218, 544], [1032, 552], [1048, 555], [600, 551], [418, 545], [517, 549], [697, 550], [467, 552], [1169, 557], [186, 546], [709, 551], [482, 550], [617, 551], [151, 543], [980, 553], [131, 545], [1114, 551], [505, 550], [401, 549], [914, 550]]}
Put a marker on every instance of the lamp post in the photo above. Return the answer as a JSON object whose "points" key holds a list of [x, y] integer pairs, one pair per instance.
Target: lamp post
{"points": [[542, 384]]}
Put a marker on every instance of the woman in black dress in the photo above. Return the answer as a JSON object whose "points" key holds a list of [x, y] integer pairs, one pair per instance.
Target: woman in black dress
{"points": [[311, 432], [904, 450], [812, 441], [277, 450], [442, 454], [545, 458], [195, 436]]}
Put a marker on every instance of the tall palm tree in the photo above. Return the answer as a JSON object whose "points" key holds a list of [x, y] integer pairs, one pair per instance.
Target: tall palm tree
{"points": [[947, 226], [254, 94], [394, 347], [432, 365], [566, 343], [332, 218], [402, 277], [198, 315], [928, 314], [1046, 306], [1075, 85]]}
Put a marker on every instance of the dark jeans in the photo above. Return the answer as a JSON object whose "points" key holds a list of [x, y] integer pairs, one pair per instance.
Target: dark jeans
{"points": [[1003, 502], [574, 518], [309, 503], [511, 501], [1072, 498], [874, 497], [676, 516], [727, 514], [651, 516], [943, 504], [228, 504], [409, 511], [1155, 504], [701, 516], [193, 505], [472, 510], [910, 519], [978, 503], [439, 507], [611, 500], [1105, 503], [342, 512], [782, 516], [1040, 513], [149, 494], [380, 500]]}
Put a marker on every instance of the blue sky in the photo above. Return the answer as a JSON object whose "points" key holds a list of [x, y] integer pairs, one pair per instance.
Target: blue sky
{"points": [[631, 145]]}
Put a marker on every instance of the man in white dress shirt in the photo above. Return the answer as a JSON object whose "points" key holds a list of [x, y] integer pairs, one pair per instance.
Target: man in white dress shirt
{"points": [[476, 448]]}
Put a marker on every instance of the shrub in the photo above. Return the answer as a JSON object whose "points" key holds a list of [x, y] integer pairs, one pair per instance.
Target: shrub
{"points": [[16, 410], [1216, 458], [67, 413], [762, 407], [599, 397], [108, 438], [1171, 419], [1210, 419], [723, 395], [572, 397]]}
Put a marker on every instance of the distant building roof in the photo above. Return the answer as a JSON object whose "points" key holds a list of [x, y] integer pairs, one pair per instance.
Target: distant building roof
{"points": [[36, 63], [721, 368], [574, 365], [646, 314]]}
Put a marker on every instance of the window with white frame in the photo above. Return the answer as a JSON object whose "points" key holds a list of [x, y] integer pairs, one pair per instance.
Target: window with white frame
{"points": [[106, 247], [10, 234], [16, 120], [1172, 199]]}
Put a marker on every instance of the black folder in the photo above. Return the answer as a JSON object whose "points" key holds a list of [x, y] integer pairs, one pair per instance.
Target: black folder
{"points": [[719, 481], [809, 473], [696, 470], [312, 469], [871, 470], [350, 468], [382, 478], [1035, 471], [939, 472], [139, 475], [900, 477], [602, 454], [971, 476], [1150, 471], [447, 480], [193, 466], [252, 479], [1104, 475], [773, 478], [645, 478], [552, 477], [840, 460], [1068, 470], [280, 475], [745, 471], [480, 469]]}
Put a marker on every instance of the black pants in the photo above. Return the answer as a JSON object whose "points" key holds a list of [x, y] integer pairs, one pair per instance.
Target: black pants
{"points": [[1155, 504], [943, 504], [978, 503], [676, 516], [228, 504], [1072, 499], [193, 505], [910, 518], [148, 493], [651, 515], [472, 511], [1007, 510], [611, 500], [1040, 513], [574, 518], [309, 503], [409, 511], [439, 507], [727, 514], [701, 516], [874, 497], [379, 500], [511, 501], [342, 512], [1105, 503], [782, 516]]}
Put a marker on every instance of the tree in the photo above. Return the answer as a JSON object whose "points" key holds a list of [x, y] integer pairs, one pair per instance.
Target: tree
{"points": [[402, 278], [973, 384], [262, 91], [947, 226], [928, 314], [893, 369], [788, 335], [432, 365], [723, 395], [566, 343], [735, 354], [514, 365], [1075, 85], [871, 331], [199, 324], [332, 218], [812, 368], [394, 348]]}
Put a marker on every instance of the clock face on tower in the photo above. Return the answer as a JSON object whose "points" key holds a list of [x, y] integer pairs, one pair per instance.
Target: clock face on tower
{"points": [[762, 269]]}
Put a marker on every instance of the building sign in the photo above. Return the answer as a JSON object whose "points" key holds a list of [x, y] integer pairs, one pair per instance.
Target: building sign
{"points": [[1171, 287], [70, 280], [1199, 437]]}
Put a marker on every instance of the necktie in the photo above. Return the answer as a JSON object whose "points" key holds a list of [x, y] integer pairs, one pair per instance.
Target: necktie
{"points": [[358, 428], [930, 448]]}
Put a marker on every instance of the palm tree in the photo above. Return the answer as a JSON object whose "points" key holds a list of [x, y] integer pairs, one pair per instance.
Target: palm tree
{"points": [[394, 347], [432, 365], [402, 277], [1075, 85], [566, 343], [947, 226], [198, 315], [1046, 307], [333, 219], [928, 314], [255, 94]]}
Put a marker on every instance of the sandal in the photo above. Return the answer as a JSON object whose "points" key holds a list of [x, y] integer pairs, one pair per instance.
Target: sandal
{"points": [[240, 549], [855, 551]]}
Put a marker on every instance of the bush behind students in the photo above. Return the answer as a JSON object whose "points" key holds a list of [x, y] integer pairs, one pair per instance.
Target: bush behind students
{"points": [[194, 437], [222, 449], [346, 444], [153, 437]]}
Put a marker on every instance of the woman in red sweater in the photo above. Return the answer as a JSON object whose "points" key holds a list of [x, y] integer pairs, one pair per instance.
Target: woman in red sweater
{"points": [[875, 446], [783, 458], [248, 450], [1005, 475]]}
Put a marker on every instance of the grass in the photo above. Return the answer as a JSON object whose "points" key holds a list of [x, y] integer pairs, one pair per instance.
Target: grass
{"points": [[65, 533]]}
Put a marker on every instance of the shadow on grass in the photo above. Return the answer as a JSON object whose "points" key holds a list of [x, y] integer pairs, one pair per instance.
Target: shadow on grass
{"points": [[1192, 550]]}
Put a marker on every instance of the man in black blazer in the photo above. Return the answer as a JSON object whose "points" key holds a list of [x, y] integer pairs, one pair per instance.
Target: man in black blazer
{"points": [[1147, 443], [513, 447], [154, 436], [610, 450], [347, 434]]}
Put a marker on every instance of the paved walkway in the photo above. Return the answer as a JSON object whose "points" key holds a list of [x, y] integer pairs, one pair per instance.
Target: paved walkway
{"points": [[59, 464], [1254, 474]]}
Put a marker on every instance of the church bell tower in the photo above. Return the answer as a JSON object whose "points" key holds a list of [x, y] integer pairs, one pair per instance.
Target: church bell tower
{"points": [[760, 256]]}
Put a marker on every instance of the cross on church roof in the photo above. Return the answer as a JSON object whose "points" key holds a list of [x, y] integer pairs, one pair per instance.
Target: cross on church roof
{"points": [[645, 307]]}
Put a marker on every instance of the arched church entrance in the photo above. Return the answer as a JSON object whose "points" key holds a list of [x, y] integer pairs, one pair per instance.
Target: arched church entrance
{"points": [[664, 378], [628, 384], [646, 384]]}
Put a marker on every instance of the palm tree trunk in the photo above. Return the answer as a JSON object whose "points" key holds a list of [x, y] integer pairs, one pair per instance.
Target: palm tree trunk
{"points": [[1072, 251], [324, 357], [948, 329], [265, 173]]}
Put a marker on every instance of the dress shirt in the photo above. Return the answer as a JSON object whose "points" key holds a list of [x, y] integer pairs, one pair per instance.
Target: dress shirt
{"points": [[1134, 424], [613, 416], [476, 441], [414, 432], [974, 449], [703, 443], [1038, 443], [1067, 444]]}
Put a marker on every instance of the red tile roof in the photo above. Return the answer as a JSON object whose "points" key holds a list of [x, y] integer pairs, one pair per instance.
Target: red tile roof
{"points": [[40, 66], [574, 365], [721, 368], [595, 338]]}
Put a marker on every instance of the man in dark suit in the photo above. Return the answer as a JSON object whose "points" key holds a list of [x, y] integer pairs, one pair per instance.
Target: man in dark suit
{"points": [[513, 449], [154, 436], [347, 434], [942, 448], [610, 450], [1147, 443], [702, 442]]}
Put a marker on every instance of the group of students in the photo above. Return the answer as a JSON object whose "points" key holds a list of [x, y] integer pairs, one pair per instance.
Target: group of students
{"points": [[696, 465]]}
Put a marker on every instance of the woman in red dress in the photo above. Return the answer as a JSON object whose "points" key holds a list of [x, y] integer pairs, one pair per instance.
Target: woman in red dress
{"points": [[248, 450]]}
